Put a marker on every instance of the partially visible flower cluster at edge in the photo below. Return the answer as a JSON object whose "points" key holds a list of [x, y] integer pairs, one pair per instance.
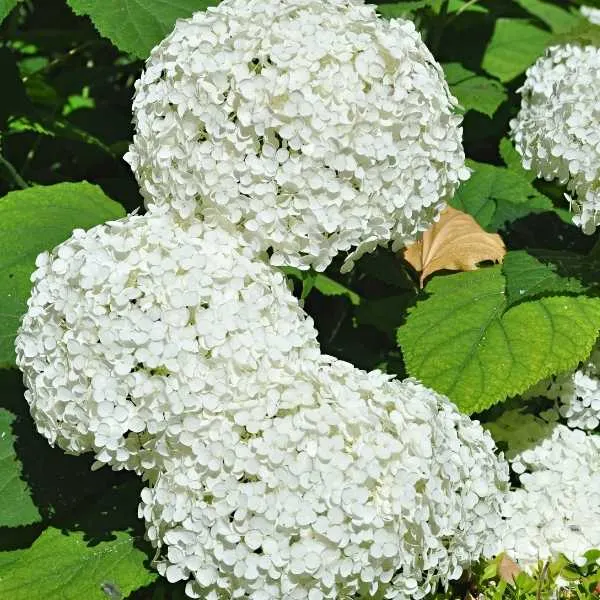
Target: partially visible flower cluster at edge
{"points": [[591, 14], [556, 456], [315, 127], [557, 131], [556, 509]]}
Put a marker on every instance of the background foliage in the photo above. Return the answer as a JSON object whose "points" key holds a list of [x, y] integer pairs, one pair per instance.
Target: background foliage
{"points": [[65, 121]]}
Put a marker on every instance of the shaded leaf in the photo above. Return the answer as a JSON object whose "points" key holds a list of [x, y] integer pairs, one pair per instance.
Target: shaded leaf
{"points": [[474, 92], [34, 220], [55, 127], [136, 26], [385, 314], [494, 196], [325, 285], [527, 277], [329, 287], [63, 565], [14, 96], [570, 264], [16, 507], [6, 7], [515, 45], [465, 342], [512, 159], [455, 243], [400, 9], [557, 19], [386, 267], [585, 33]]}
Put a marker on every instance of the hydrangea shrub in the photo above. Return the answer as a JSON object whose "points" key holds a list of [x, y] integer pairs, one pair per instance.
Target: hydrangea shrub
{"points": [[267, 423]]}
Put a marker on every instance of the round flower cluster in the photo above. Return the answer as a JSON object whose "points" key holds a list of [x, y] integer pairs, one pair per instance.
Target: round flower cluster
{"points": [[578, 393], [140, 319], [591, 14], [557, 508], [357, 485], [557, 131], [315, 127]]}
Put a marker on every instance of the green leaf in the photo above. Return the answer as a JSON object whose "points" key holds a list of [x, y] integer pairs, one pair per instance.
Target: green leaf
{"points": [[585, 33], [464, 341], [64, 566], [6, 7], [136, 26], [515, 45], [389, 268], [55, 127], [385, 314], [34, 220], [512, 159], [400, 9], [474, 91], [329, 287], [495, 195], [17, 507], [527, 277], [325, 285], [556, 18], [460, 6], [571, 264], [14, 96]]}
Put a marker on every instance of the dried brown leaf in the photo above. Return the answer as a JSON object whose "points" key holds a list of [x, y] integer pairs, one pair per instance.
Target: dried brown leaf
{"points": [[508, 569], [455, 243]]}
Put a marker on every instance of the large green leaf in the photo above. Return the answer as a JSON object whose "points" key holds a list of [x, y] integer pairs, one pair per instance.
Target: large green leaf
{"points": [[495, 195], [514, 46], [136, 26], [527, 277], [474, 91], [63, 566], [16, 507], [34, 220], [464, 341]]}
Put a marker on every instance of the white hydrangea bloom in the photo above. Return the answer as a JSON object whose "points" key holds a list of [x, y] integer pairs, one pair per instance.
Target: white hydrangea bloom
{"points": [[557, 508], [591, 14], [557, 131], [357, 486], [577, 393], [315, 127], [140, 319]]}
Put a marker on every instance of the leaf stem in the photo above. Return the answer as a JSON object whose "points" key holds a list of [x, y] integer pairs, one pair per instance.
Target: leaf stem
{"points": [[17, 179]]}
